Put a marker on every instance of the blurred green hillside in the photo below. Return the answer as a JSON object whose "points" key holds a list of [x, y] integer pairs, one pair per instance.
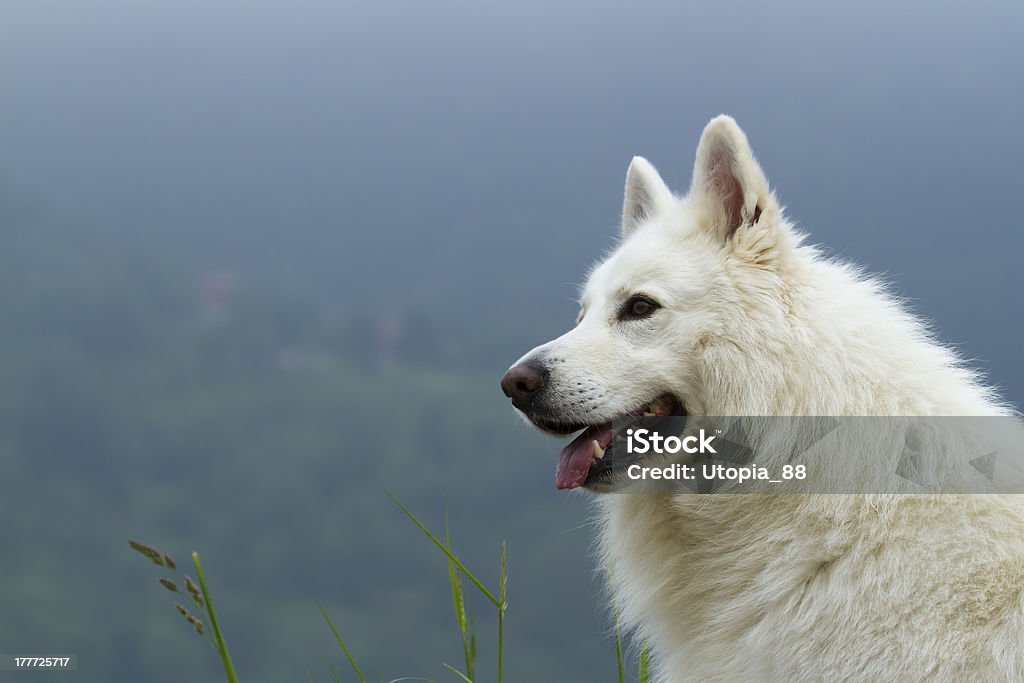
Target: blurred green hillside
{"points": [[142, 397]]}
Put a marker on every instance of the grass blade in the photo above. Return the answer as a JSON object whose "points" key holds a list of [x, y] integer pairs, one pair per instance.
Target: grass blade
{"points": [[337, 678], [472, 638], [618, 631], [451, 556], [337, 637], [459, 604], [458, 673], [644, 675], [222, 647], [618, 652], [502, 607]]}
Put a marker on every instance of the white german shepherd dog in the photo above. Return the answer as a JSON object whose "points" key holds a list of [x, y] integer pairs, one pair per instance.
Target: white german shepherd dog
{"points": [[711, 305]]}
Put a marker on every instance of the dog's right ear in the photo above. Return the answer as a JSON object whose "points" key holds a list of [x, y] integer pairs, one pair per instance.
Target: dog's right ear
{"points": [[728, 184], [647, 195]]}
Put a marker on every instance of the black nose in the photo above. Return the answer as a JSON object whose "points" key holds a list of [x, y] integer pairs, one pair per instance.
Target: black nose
{"points": [[523, 382]]}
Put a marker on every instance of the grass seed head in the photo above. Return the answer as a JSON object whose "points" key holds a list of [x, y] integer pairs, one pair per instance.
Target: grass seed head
{"points": [[149, 551], [193, 591]]}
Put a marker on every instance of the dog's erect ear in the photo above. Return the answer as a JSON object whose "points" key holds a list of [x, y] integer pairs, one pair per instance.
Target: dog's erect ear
{"points": [[727, 180], [646, 195]]}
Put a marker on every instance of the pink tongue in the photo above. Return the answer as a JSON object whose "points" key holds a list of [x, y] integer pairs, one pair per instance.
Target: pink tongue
{"points": [[576, 458]]}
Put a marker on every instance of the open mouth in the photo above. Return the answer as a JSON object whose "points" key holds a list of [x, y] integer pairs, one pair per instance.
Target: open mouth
{"points": [[585, 460]]}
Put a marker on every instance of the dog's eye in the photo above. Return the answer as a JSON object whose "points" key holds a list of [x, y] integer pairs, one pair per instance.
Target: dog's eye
{"points": [[638, 307]]}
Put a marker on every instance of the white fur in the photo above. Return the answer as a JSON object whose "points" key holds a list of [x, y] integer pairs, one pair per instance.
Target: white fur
{"points": [[785, 587]]}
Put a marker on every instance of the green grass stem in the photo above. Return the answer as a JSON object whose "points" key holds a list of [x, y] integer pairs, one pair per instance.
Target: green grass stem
{"points": [[451, 556], [644, 675], [222, 647], [344, 648]]}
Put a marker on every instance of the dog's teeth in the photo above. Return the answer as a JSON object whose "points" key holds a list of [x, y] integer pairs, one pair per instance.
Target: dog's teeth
{"points": [[598, 451]]}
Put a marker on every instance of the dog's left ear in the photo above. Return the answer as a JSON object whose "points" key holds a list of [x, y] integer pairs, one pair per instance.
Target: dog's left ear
{"points": [[647, 195], [727, 182]]}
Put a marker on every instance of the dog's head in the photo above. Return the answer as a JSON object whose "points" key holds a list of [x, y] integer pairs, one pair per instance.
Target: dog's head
{"points": [[660, 316]]}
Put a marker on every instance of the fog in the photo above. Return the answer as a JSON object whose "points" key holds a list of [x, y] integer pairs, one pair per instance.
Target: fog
{"points": [[464, 162]]}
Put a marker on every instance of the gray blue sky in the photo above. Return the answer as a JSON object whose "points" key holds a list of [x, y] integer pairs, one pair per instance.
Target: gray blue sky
{"points": [[433, 146]]}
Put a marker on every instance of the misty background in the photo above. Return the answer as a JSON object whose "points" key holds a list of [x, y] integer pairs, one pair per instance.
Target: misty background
{"points": [[260, 261]]}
